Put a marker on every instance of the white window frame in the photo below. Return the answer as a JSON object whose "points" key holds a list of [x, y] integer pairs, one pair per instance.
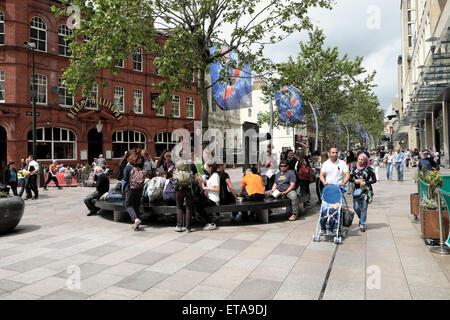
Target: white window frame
{"points": [[175, 105], [66, 94], [2, 85], [52, 141], [138, 101], [40, 80], [121, 64], [40, 25], [140, 135], [190, 102], [64, 31], [138, 60], [118, 96], [93, 95], [2, 22]]}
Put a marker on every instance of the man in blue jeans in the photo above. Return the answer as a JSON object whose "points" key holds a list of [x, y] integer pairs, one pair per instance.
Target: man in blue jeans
{"points": [[399, 158]]}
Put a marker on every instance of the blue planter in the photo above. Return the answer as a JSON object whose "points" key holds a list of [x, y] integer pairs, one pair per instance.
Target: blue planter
{"points": [[11, 212]]}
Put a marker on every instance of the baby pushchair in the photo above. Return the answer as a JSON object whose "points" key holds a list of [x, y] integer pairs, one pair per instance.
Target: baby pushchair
{"points": [[331, 194]]}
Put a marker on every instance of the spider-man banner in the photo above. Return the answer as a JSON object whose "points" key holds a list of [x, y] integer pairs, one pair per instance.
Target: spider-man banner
{"points": [[289, 104], [237, 95]]}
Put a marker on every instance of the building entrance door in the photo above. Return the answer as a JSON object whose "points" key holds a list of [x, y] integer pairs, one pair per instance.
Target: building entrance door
{"points": [[95, 144], [2, 152]]}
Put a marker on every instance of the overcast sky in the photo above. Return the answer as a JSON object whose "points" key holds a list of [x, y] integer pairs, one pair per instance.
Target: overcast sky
{"points": [[353, 26]]}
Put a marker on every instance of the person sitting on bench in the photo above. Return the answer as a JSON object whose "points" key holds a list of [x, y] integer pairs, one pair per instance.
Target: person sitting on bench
{"points": [[252, 186]]}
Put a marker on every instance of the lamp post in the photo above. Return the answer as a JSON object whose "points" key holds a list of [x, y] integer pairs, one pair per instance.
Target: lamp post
{"points": [[31, 46]]}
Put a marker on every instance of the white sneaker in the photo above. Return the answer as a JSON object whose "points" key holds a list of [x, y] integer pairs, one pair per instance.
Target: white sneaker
{"points": [[178, 229], [209, 226], [136, 224]]}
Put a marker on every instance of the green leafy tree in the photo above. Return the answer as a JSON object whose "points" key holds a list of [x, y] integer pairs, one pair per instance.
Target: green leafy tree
{"points": [[339, 87], [116, 27]]}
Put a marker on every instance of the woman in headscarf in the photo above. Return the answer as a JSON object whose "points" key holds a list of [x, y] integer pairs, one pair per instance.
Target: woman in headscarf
{"points": [[363, 176]]}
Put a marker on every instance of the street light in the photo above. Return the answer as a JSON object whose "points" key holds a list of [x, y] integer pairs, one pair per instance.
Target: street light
{"points": [[31, 46]]}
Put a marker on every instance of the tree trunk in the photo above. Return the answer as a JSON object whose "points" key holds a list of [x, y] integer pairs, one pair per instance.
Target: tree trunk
{"points": [[204, 99]]}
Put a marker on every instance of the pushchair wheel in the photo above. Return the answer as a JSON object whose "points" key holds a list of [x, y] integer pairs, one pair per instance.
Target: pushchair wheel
{"points": [[337, 240], [316, 237]]}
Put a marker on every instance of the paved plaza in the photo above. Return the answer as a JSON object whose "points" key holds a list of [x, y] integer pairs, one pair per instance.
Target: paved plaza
{"points": [[249, 260]]}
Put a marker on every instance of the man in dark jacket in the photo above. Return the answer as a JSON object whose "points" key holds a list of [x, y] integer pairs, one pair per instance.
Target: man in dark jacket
{"points": [[11, 177], [427, 162], [102, 186]]}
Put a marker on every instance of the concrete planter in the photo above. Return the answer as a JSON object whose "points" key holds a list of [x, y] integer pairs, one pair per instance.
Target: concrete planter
{"points": [[11, 212]]}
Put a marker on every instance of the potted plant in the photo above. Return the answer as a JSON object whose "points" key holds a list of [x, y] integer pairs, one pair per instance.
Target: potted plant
{"points": [[430, 214], [11, 212]]}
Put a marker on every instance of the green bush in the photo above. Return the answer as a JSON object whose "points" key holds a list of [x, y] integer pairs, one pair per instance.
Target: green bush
{"points": [[433, 178], [431, 204], [4, 195]]}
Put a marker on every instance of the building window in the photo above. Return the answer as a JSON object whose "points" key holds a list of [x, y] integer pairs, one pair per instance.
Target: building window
{"points": [[409, 16], [409, 29], [119, 98], [2, 28], [249, 112], [53, 143], [2, 86], [63, 45], [137, 60], [38, 33], [65, 98], [410, 41], [125, 140], [190, 107], [121, 64], [163, 141], [40, 81], [138, 97], [408, 4], [288, 130], [175, 106], [92, 104]]}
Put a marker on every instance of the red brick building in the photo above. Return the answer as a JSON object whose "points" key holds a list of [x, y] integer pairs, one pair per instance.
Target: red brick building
{"points": [[74, 137]]}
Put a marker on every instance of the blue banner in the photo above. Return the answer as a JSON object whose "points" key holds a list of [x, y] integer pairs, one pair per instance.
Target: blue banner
{"points": [[289, 104], [237, 95]]}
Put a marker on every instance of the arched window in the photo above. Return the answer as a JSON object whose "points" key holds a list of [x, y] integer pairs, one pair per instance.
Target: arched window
{"points": [[53, 143], [63, 45], [124, 140], [38, 33], [2, 28]]}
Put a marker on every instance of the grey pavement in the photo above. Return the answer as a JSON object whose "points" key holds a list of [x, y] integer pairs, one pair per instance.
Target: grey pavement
{"points": [[56, 244]]}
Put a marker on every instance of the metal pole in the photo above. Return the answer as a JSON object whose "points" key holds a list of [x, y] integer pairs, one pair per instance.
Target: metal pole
{"points": [[34, 96], [348, 137], [441, 249], [271, 117]]}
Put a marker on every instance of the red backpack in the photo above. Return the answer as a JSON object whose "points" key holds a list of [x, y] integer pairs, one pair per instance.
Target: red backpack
{"points": [[304, 173]]}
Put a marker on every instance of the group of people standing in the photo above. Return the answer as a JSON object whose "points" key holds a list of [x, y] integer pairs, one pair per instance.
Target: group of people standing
{"points": [[26, 174]]}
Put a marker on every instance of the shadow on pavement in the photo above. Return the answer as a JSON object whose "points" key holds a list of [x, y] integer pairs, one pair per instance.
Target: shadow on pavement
{"points": [[21, 229]]}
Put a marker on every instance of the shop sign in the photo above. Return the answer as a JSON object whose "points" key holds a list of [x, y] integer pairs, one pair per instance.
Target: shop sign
{"points": [[80, 105]]}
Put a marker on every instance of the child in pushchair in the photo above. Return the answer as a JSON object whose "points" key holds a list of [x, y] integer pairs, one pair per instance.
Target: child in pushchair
{"points": [[331, 213], [329, 217]]}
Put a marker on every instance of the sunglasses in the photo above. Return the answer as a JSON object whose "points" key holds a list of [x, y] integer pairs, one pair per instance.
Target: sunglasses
{"points": [[283, 165]]}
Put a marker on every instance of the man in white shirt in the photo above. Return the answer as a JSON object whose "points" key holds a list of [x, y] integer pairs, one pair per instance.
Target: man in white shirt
{"points": [[33, 167], [334, 170]]}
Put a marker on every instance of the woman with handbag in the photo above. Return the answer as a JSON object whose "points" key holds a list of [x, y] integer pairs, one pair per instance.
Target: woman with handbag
{"points": [[363, 176], [304, 175]]}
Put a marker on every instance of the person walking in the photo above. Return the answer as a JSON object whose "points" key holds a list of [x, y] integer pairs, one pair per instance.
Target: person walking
{"points": [[399, 159], [303, 179], [389, 161], [267, 167], [24, 173], [375, 160], [334, 170], [134, 179], [407, 158], [316, 164], [363, 176], [52, 170], [102, 186], [31, 185], [11, 177]]}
